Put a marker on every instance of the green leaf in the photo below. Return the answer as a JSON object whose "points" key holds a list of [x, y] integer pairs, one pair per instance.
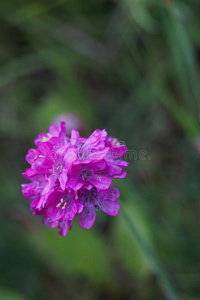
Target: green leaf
{"points": [[139, 12], [131, 254]]}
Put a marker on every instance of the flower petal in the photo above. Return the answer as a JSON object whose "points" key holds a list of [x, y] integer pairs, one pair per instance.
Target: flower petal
{"points": [[112, 194], [75, 183], [117, 151], [63, 179], [101, 182], [109, 207], [121, 175], [47, 221], [121, 163], [32, 155], [69, 212], [62, 129], [74, 137], [44, 148], [70, 156], [87, 217], [63, 228], [49, 184], [42, 165], [54, 213], [30, 190]]}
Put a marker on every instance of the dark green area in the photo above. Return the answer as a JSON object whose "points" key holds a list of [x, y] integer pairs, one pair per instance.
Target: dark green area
{"points": [[132, 67]]}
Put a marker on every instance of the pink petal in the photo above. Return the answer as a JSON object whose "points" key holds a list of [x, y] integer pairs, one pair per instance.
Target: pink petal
{"points": [[87, 218], [63, 228], [101, 182], [54, 213], [47, 221], [63, 179], [74, 137], [109, 207], [75, 183], [70, 156]]}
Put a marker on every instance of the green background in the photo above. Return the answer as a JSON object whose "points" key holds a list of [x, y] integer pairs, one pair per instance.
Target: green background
{"points": [[132, 67]]}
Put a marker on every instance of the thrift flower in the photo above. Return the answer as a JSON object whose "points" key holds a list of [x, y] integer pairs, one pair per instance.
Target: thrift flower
{"points": [[72, 177], [92, 200]]}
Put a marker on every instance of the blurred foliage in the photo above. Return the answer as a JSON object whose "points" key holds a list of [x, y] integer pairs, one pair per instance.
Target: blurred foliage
{"points": [[131, 67]]}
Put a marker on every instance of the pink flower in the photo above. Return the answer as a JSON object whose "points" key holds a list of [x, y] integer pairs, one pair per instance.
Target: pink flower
{"points": [[89, 174], [62, 206], [53, 131], [71, 177], [62, 225], [92, 200]]}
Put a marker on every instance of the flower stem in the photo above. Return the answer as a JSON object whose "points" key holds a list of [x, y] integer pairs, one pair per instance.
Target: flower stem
{"points": [[155, 265]]}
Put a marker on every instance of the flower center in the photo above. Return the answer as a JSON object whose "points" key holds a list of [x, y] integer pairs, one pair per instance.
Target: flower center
{"points": [[81, 155], [88, 197], [86, 174], [65, 202], [83, 152], [59, 168]]}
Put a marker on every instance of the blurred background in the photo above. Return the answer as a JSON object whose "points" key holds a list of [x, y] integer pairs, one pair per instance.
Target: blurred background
{"points": [[132, 67]]}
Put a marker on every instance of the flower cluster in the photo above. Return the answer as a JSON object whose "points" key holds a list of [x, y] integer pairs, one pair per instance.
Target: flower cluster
{"points": [[72, 177]]}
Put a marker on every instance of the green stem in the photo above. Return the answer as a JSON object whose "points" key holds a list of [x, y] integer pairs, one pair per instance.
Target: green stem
{"points": [[155, 265]]}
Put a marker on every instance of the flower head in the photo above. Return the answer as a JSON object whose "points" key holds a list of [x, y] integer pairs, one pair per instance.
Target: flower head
{"points": [[72, 176], [94, 200]]}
